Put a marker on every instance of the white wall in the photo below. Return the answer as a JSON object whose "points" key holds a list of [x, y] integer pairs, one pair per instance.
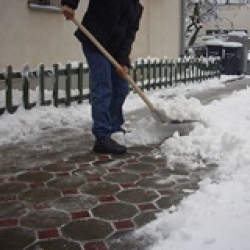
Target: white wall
{"points": [[33, 37], [233, 17]]}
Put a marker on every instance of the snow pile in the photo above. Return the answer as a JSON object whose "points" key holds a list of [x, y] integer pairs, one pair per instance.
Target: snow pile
{"points": [[29, 123], [216, 217], [179, 108]]}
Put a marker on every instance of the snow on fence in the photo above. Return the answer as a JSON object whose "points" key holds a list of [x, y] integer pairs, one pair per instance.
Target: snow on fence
{"points": [[67, 84]]}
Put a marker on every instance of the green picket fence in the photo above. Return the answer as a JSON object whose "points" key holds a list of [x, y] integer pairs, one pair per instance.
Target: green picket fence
{"points": [[65, 85], [151, 74]]}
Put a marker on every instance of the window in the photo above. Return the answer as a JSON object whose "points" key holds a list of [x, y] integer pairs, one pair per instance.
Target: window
{"points": [[51, 5], [235, 2], [41, 2]]}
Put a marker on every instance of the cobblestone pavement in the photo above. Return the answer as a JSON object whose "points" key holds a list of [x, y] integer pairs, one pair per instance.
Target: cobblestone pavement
{"points": [[56, 194], [71, 198]]}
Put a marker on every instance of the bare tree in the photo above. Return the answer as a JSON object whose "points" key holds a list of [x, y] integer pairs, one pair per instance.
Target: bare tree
{"points": [[200, 12]]}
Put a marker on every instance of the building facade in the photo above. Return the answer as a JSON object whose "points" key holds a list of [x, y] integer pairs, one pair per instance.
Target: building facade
{"points": [[34, 32], [232, 17]]}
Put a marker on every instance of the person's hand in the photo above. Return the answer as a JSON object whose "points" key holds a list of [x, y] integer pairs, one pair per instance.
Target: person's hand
{"points": [[123, 71], [68, 12]]}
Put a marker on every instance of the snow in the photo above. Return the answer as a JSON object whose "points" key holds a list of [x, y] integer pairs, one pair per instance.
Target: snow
{"points": [[238, 33], [218, 42], [217, 216]]}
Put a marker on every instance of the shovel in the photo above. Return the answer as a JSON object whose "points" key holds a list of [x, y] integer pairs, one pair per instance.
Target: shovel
{"points": [[160, 117]]}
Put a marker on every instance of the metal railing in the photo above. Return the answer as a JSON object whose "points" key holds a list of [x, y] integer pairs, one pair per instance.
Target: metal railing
{"points": [[65, 85]]}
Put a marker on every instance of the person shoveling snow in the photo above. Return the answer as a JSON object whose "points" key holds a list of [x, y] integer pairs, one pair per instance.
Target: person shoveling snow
{"points": [[109, 82]]}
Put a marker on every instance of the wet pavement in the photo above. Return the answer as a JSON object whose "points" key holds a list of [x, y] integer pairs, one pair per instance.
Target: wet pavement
{"points": [[60, 195], [55, 193]]}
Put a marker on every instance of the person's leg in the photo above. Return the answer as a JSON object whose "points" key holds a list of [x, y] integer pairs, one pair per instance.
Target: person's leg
{"points": [[120, 92], [101, 93]]}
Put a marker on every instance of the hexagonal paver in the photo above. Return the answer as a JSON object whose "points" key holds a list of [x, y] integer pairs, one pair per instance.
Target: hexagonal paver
{"points": [[122, 177], [40, 195], [165, 172], [100, 188], [168, 201], [67, 182], [11, 188], [156, 182], [137, 195], [128, 241], [61, 166], [190, 185], [38, 176], [110, 163], [8, 169], [95, 245], [81, 158], [55, 244], [129, 155], [140, 167], [12, 209], [85, 230], [75, 203], [104, 163], [44, 219], [154, 160], [16, 238], [88, 171], [114, 211], [145, 217]]}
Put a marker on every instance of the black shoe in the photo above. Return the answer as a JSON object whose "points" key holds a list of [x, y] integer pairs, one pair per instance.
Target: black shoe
{"points": [[109, 146]]}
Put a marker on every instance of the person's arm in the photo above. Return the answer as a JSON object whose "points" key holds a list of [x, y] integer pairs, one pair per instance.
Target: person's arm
{"points": [[126, 45], [68, 8]]}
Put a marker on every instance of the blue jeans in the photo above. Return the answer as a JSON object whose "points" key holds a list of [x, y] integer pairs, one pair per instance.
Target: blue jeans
{"points": [[108, 92]]}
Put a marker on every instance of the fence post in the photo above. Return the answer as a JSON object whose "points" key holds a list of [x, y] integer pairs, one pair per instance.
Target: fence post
{"points": [[196, 68], [155, 66], [185, 70], [171, 73], [9, 97], [202, 69], [80, 82], [142, 74], [218, 67], [160, 74], [42, 85], [148, 74], [56, 85], [199, 67], [2, 109], [26, 93], [68, 84], [134, 73], [43, 102], [166, 71], [182, 69]]}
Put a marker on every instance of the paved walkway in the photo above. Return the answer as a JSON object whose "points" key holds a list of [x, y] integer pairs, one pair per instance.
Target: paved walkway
{"points": [[56, 194]]}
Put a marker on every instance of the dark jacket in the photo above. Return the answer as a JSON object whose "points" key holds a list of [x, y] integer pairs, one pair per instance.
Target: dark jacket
{"points": [[113, 23]]}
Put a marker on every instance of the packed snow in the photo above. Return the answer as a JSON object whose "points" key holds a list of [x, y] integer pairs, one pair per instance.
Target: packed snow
{"points": [[217, 216]]}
